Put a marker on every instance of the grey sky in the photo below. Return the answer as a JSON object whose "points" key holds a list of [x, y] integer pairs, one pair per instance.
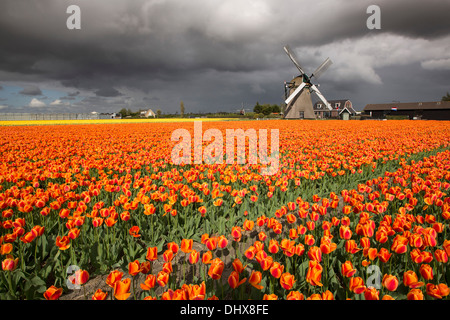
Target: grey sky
{"points": [[215, 55]]}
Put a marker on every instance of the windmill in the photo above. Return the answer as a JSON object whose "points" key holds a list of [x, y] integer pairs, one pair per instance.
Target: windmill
{"points": [[298, 91], [242, 110]]}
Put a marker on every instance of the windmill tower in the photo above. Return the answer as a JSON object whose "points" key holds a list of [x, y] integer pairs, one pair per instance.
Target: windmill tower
{"points": [[298, 91]]}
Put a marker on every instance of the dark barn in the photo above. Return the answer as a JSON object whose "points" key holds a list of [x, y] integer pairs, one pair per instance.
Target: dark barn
{"points": [[439, 110]]}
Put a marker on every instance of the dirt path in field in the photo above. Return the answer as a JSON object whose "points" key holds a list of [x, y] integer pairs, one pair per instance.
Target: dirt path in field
{"points": [[227, 255]]}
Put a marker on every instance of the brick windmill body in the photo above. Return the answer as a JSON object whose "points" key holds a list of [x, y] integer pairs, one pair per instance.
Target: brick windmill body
{"points": [[298, 91]]}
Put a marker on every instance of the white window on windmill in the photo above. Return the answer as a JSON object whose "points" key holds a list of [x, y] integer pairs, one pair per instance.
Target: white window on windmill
{"points": [[319, 106]]}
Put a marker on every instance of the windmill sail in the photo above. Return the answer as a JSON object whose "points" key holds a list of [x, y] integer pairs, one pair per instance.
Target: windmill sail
{"points": [[293, 58], [322, 68], [317, 92], [295, 93]]}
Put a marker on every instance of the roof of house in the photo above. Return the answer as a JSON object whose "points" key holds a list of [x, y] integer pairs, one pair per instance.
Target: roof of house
{"points": [[342, 105], [349, 110], [408, 106], [332, 102]]}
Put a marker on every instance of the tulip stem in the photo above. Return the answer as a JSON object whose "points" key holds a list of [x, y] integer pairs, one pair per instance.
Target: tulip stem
{"points": [[184, 266], [134, 291], [10, 283]]}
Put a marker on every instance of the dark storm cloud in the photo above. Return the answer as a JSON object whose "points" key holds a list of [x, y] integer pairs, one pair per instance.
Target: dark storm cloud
{"points": [[213, 53], [31, 91], [73, 94], [424, 19], [107, 92]]}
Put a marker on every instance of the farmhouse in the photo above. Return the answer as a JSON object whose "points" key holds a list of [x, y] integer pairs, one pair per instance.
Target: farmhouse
{"points": [[148, 113], [342, 109], [439, 110]]}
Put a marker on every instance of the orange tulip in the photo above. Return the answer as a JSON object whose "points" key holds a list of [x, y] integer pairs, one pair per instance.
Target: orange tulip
{"points": [[134, 231], [345, 232], [194, 256], [295, 295], [415, 294], [167, 267], [99, 295], [110, 221], [446, 246], [248, 225], [216, 269], [351, 246], [390, 282], [291, 218], [202, 210], [173, 247], [125, 216], [204, 237], [266, 262], [74, 233], [233, 280], [236, 233], [28, 237], [371, 253], [211, 243], [146, 266], [162, 278], [273, 246], [437, 291], [63, 243], [411, 280], [364, 242], [238, 266], [287, 281], [293, 234], [255, 279], [80, 277], [97, 222], [384, 255], [357, 285], [309, 240], [122, 289], [250, 252], [276, 269], [6, 248], [222, 242], [327, 246], [271, 296], [441, 256], [197, 292], [168, 255], [426, 271], [347, 269], [186, 245], [314, 253], [314, 274], [149, 282], [10, 264], [399, 244], [152, 254], [113, 277], [206, 258], [371, 294], [327, 295], [53, 293], [134, 268]]}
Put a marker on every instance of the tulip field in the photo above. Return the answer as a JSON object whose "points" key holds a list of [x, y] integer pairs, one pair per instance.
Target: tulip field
{"points": [[357, 210]]}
